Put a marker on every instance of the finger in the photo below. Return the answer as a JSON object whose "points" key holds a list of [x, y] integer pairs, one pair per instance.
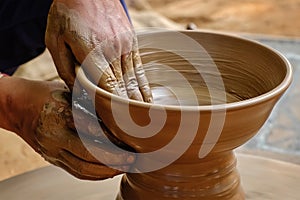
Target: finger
{"points": [[131, 83], [141, 77], [96, 151], [49, 156], [86, 122], [81, 168], [63, 58], [117, 70], [85, 148], [90, 126], [58, 160], [76, 174], [114, 139], [98, 70], [99, 152], [88, 169], [53, 143]]}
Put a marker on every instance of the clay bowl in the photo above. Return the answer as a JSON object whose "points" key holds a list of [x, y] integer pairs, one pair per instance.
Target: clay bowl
{"points": [[208, 100]]}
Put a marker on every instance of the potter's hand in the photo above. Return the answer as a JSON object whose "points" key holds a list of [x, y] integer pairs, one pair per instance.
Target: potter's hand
{"points": [[98, 35], [40, 113]]}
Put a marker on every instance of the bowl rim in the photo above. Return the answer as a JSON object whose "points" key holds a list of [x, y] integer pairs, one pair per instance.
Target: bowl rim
{"points": [[277, 91]]}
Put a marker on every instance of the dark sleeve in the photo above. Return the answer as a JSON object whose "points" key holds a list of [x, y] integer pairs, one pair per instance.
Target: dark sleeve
{"points": [[125, 8], [22, 31]]}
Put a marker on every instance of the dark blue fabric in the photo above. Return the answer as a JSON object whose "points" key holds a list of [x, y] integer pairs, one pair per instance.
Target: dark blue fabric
{"points": [[125, 8], [22, 31]]}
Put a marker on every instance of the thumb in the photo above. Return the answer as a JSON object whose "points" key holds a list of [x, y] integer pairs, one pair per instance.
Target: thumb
{"points": [[63, 59]]}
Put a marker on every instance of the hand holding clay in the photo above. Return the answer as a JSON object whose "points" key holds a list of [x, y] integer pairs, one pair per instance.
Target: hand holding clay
{"points": [[40, 113], [97, 35]]}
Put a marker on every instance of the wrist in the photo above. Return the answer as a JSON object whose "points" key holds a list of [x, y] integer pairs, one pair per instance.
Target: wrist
{"points": [[18, 113], [10, 103], [4, 115]]}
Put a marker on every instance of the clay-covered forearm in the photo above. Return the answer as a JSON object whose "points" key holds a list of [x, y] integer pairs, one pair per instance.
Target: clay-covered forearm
{"points": [[21, 101]]}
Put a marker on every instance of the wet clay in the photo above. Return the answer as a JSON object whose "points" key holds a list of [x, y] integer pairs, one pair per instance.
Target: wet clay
{"points": [[205, 118], [55, 116]]}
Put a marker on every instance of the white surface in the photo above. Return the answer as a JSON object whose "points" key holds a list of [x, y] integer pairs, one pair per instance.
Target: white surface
{"points": [[52, 183]]}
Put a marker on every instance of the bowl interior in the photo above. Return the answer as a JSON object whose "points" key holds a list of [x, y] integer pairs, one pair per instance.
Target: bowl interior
{"points": [[213, 68]]}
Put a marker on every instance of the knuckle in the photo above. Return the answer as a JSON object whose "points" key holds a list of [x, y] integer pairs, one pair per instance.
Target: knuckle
{"points": [[131, 84], [82, 169]]}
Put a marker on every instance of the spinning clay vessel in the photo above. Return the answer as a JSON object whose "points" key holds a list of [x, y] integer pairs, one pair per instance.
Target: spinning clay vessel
{"points": [[212, 92]]}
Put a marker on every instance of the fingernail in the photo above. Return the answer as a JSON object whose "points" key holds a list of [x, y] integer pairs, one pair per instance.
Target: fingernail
{"points": [[149, 100], [136, 96]]}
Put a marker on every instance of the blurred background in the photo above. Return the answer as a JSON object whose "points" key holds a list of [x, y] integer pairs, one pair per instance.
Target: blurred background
{"points": [[253, 16]]}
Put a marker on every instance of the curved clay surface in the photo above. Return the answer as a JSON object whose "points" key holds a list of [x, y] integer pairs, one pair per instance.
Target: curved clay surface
{"points": [[205, 118]]}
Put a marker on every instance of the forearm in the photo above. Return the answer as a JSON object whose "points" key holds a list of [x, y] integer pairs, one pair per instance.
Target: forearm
{"points": [[17, 113], [6, 101]]}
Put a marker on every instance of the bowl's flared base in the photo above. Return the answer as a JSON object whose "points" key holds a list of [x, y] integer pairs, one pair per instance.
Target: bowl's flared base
{"points": [[212, 178]]}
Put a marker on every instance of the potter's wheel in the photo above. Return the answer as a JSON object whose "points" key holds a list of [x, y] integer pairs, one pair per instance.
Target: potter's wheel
{"points": [[262, 179]]}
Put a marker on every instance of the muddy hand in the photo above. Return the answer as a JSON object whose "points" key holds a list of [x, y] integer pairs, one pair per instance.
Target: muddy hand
{"points": [[76, 150], [97, 35], [41, 114]]}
